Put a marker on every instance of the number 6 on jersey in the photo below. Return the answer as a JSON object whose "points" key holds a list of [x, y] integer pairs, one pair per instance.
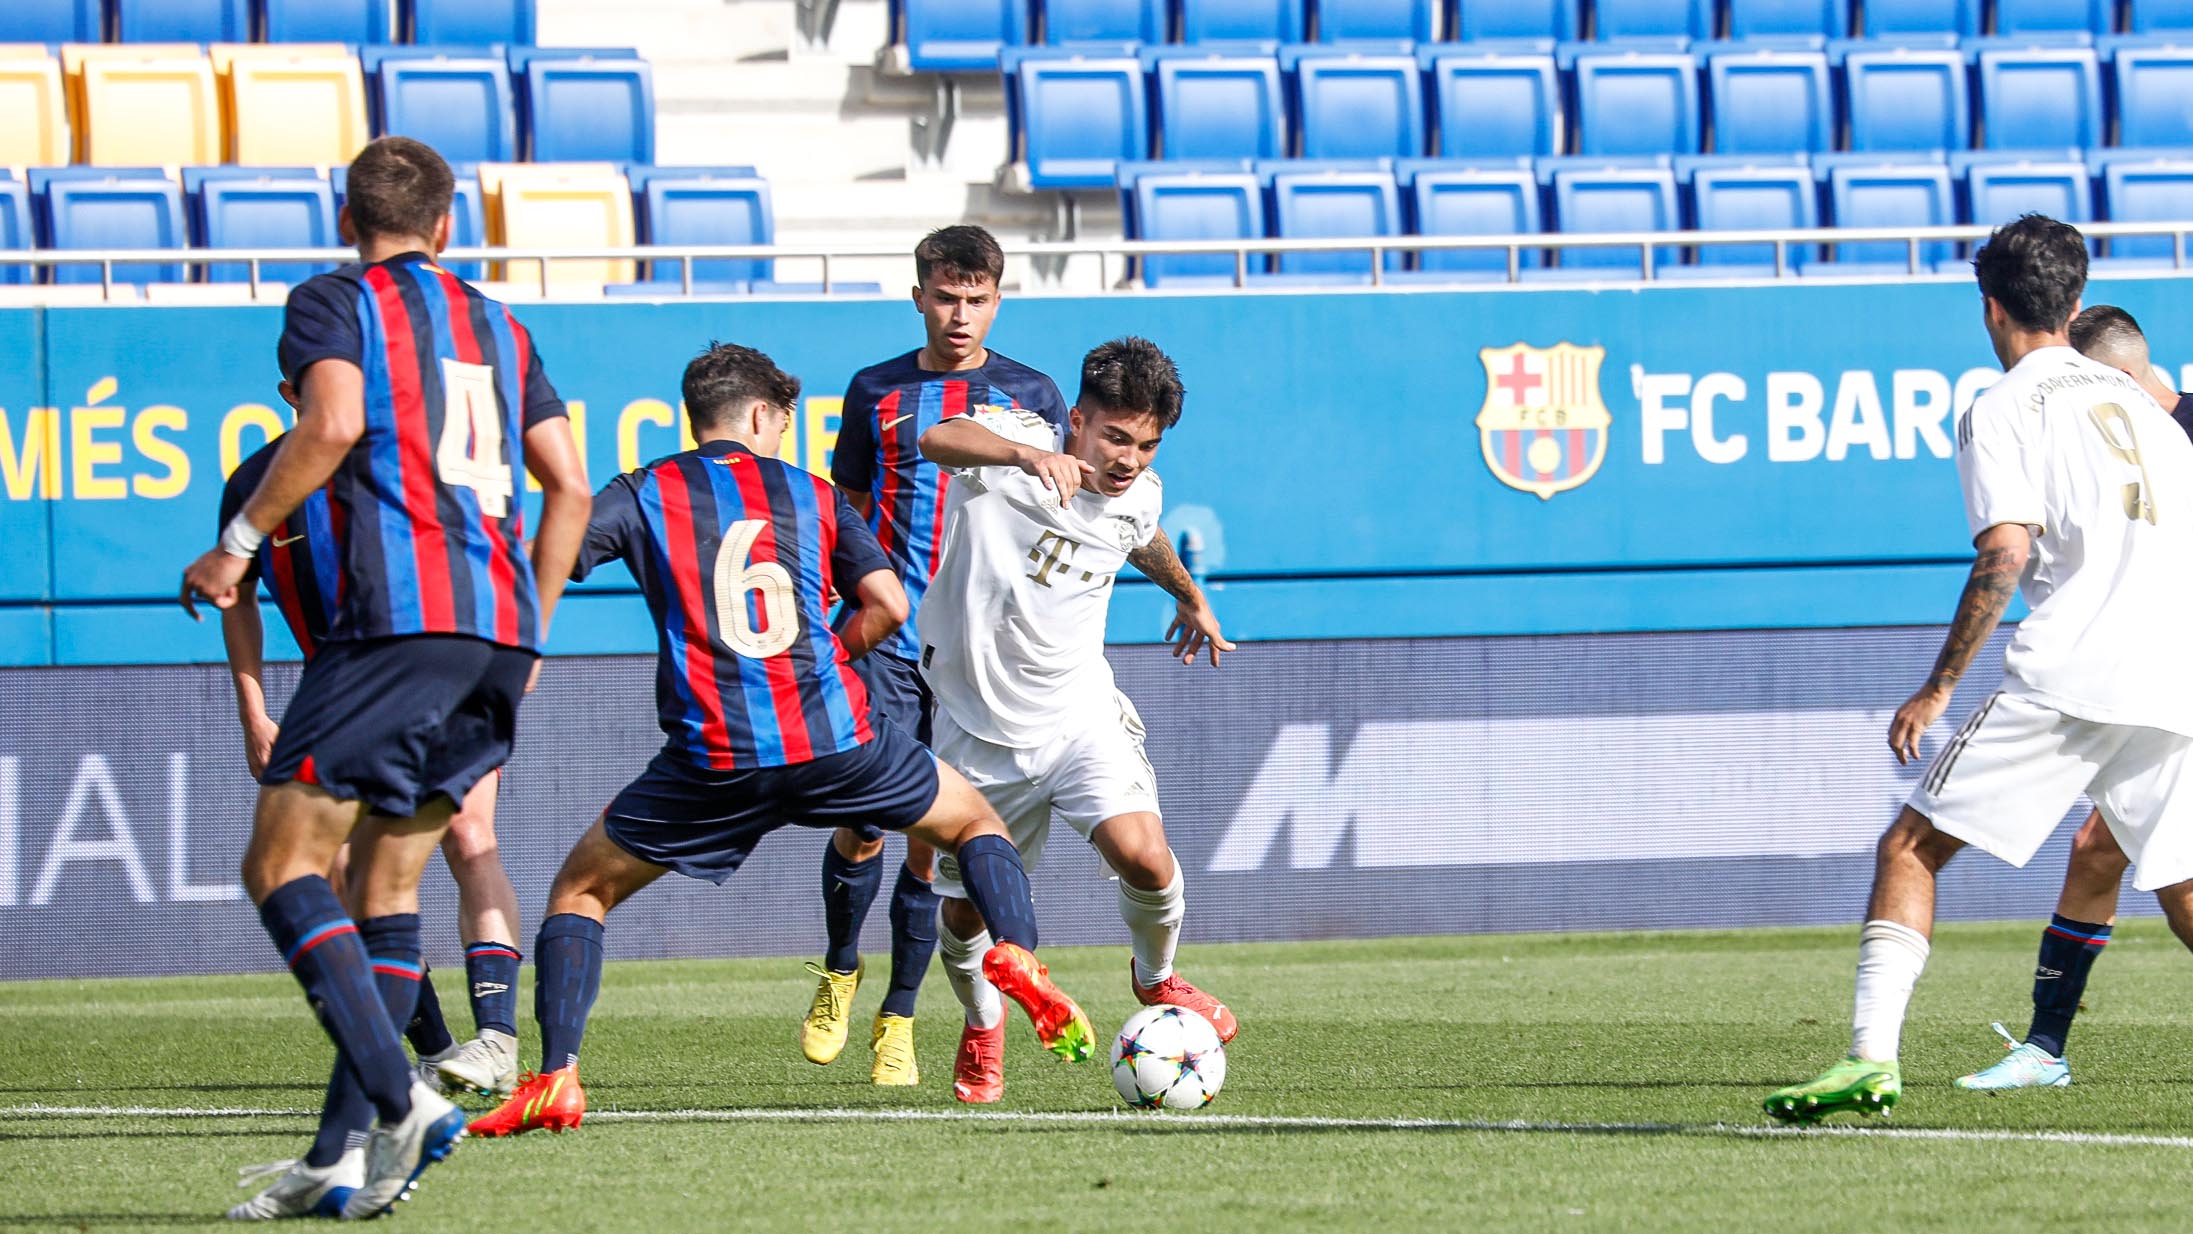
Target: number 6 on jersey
{"points": [[736, 575]]}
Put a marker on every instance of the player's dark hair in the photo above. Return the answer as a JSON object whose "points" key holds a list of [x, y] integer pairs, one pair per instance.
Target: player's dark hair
{"points": [[722, 380], [1133, 376], [961, 253], [2035, 268], [398, 187], [2105, 328]]}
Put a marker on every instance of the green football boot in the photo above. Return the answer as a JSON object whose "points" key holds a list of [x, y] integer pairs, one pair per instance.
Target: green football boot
{"points": [[1852, 1084]]}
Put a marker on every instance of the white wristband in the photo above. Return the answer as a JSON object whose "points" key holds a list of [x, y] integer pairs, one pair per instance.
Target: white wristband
{"points": [[241, 539]]}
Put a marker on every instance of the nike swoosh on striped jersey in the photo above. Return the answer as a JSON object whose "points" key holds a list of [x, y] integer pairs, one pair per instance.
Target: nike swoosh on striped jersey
{"points": [[279, 542], [895, 421]]}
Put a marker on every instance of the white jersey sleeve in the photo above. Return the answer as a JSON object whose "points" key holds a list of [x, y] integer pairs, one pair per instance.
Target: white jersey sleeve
{"points": [[1022, 427], [1994, 463]]}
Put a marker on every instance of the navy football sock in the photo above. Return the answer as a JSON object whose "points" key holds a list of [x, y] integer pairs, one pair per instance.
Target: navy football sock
{"points": [[848, 891], [345, 1114], [567, 974], [997, 885], [2068, 950], [345, 1118], [492, 971], [427, 1031], [321, 946], [913, 941]]}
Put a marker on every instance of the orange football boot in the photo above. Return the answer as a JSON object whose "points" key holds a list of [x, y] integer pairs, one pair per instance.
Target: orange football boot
{"points": [[1061, 1026], [553, 1102], [978, 1076], [1175, 991]]}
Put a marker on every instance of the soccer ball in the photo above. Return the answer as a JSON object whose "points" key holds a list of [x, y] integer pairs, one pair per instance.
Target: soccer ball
{"points": [[1168, 1058]]}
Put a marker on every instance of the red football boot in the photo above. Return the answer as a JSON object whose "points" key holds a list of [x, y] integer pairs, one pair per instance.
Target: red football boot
{"points": [[552, 1102], [1061, 1026], [1176, 992], [978, 1077]]}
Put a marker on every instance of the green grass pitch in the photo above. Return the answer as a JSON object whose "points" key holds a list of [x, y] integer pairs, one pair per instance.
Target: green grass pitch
{"points": [[1648, 1050]]}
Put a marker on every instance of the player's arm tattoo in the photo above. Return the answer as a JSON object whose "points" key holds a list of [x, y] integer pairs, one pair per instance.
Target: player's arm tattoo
{"points": [[1993, 581], [1161, 565]]}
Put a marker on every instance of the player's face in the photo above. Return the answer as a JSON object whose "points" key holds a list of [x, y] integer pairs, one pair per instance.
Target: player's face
{"points": [[1119, 444], [957, 316]]}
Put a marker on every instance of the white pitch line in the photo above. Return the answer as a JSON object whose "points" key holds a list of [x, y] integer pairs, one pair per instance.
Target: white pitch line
{"points": [[1127, 1119]]}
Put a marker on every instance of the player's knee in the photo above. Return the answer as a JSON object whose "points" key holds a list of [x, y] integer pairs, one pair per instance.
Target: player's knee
{"points": [[1913, 836], [852, 847], [960, 918], [2095, 856]]}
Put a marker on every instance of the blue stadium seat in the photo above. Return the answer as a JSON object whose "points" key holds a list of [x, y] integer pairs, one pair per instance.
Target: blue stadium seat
{"points": [[1904, 98], [704, 205], [576, 107], [182, 21], [1472, 20], [1636, 103], [50, 21], [265, 211], [327, 21], [957, 36], [1445, 199], [1356, 104], [461, 106], [1998, 190], [15, 230], [111, 208], [1310, 201], [1628, 19], [2160, 17], [2054, 16], [1749, 19], [1769, 102], [1495, 104], [2145, 187], [468, 21], [1598, 195], [1869, 190], [2154, 89], [1071, 117], [1729, 193], [1342, 20], [2044, 96], [1264, 21], [1218, 105], [1104, 21], [1893, 17], [1168, 201]]}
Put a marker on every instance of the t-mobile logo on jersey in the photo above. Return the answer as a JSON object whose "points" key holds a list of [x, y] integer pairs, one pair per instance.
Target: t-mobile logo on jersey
{"points": [[1052, 554]]}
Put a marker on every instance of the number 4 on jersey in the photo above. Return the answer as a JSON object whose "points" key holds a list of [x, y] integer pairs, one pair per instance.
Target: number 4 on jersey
{"points": [[470, 452]]}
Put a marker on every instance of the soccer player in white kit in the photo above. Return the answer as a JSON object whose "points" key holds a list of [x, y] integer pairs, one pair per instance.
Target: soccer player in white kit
{"points": [[1012, 646], [2079, 491]]}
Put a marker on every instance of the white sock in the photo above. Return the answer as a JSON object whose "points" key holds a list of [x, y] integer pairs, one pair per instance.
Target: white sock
{"points": [[1890, 958], [1154, 918], [963, 966]]}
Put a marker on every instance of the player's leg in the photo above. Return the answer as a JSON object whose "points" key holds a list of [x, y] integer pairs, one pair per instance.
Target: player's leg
{"points": [[913, 944], [1153, 902], [852, 873], [487, 923]]}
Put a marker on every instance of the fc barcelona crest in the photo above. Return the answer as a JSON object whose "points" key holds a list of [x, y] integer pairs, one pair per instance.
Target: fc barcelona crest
{"points": [[1543, 426]]}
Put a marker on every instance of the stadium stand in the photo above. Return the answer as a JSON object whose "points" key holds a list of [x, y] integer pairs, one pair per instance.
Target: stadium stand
{"points": [[1728, 193], [1636, 103], [1806, 19], [507, 22], [2039, 96], [957, 36], [1216, 105], [2145, 187], [1328, 199], [1104, 21], [2154, 93], [1627, 19], [1352, 103], [575, 205], [1554, 20], [1766, 101], [1921, 17], [291, 103], [2055, 16], [327, 21], [1262, 21], [1342, 20], [1905, 98], [109, 208], [1186, 201], [702, 205], [576, 105], [15, 229], [1998, 190], [458, 103], [31, 96], [260, 207], [1602, 195], [1495, 103], [1074, 116], [1444, 198], [1883, 190], [143, 104], [51, 21], [182, 21], [2159, 16]]}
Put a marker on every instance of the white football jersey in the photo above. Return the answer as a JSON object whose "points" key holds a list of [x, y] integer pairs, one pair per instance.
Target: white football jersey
{"points": [[1012, 626], [2076, 448]]}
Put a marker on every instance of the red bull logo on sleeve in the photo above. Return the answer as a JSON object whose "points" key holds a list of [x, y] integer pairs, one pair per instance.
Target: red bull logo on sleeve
{"points": [[1543, 427]]}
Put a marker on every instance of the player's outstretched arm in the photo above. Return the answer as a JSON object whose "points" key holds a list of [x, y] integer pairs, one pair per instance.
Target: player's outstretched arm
{"points": [[243, 636], [1195, 627], [2003, 550], [962, 442], [883, 609], [566, 504]]}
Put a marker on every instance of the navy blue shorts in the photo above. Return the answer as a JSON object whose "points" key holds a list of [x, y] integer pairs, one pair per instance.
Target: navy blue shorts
{"points": [[393, 722], [895, 689], [703, 823]]}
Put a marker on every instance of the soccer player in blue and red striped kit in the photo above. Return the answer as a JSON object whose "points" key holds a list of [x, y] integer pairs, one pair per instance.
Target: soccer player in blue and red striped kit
{"points": [[879, 468], [419, 399], [739, 556]]}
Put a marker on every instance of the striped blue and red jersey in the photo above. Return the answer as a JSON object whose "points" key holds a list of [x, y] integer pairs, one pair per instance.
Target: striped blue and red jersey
{"points": [[739, 557], [888, 407], [301, 561], [434, 529]]}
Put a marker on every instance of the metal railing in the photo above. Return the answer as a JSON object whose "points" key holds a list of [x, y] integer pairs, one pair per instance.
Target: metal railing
{"points": [[1246, 253]]}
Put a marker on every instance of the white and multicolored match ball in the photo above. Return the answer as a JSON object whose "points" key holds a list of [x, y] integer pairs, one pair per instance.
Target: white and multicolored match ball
{"points": [[1168, 1058]]}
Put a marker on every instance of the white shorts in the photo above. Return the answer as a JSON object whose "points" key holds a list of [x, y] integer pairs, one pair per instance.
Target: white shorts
{"points": [[1093, 770], [2015, 769]]}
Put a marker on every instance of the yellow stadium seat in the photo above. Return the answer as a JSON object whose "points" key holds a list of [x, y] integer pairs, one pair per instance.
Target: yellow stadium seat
{"points": [[559, 205], [36, 131], [143, 104], [291, 104]]}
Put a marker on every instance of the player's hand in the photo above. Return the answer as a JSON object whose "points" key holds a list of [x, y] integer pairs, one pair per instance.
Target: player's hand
{"points": [[1913, 719], [212, 578], [1061, 473], [259, 733], [1195, 632]]}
